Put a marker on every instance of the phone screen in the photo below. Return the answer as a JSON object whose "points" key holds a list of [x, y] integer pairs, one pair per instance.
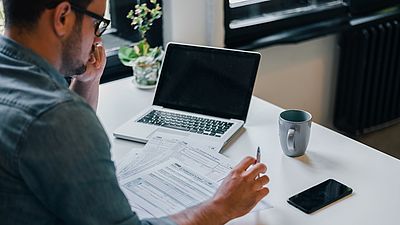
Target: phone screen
{"points": [[319, 196]]}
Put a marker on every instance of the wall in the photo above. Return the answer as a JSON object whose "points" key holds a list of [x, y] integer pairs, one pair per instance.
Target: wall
{"points": [[1, 18], [300, 76], [194, 21], [291, 76]]}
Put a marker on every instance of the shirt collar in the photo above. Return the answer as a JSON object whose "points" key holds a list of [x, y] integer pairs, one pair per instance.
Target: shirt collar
{"points": [[17, 51]]}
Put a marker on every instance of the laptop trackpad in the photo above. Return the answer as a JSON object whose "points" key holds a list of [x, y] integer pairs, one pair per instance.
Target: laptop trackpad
{"points": [[168, 131]]}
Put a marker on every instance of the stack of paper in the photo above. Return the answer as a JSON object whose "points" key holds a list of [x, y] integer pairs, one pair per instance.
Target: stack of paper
{"points": [[170, 174]]}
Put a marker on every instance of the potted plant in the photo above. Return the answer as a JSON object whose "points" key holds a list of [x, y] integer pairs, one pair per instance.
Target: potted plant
{"points": [[144, 60]]}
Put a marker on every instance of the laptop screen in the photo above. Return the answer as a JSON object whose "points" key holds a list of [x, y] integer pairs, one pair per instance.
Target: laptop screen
{"points": [[205, 80]]}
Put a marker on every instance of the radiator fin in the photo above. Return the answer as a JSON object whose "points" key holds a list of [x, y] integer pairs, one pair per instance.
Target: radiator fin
{"points": [[368, 87]]}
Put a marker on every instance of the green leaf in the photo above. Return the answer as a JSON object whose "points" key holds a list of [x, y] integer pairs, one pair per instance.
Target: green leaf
{"points": [[126, 55], [144, 47]]}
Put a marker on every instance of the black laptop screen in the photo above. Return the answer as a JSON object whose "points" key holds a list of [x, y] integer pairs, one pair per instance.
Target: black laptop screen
{"points": [[210, 81]]}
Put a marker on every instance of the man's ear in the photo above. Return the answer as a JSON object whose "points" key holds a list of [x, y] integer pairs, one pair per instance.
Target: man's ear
{"points": [[63, 19]]}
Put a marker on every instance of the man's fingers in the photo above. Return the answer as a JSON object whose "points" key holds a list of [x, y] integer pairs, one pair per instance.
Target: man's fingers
{"points": [[97, 52], [100, 56], [92, 58], [245, 163], [97, 55], [262, 193], [256, 170], [260, 182]]}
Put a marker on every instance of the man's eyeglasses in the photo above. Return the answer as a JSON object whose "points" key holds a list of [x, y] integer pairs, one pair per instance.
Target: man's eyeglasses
{"points": [[101, 22]]}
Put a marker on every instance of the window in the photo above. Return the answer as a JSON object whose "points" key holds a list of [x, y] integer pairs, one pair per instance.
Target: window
{"points": [[248, 21], [1, 18], [253, 12], [122, 33], [121, 27]]}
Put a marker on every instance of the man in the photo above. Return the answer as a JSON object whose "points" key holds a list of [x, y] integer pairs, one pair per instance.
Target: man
{"points": [[55, 165]]}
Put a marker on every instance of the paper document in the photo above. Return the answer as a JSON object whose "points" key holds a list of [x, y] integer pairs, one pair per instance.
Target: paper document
{"points": [[170, 175]]}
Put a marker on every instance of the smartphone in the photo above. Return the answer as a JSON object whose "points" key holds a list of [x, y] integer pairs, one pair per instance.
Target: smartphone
{"points": [[319, 196]]}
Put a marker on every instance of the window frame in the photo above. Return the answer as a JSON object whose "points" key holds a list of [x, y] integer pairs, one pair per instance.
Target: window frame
{"points": [[289, 29]]}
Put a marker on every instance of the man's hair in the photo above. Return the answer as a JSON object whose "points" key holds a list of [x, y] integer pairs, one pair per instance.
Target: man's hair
{"points": [[26, 13]]}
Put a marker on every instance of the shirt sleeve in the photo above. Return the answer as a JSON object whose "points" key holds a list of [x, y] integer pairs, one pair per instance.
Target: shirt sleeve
{"points": [[65, 161]]}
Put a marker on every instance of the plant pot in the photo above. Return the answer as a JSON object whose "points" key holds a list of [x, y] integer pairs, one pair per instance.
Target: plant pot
{"points": [[145, 75]]}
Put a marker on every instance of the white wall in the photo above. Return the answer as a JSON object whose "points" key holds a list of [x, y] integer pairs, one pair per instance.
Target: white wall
{"points": [[291, 76], [194, 21], [300, 76], [1, 18]]}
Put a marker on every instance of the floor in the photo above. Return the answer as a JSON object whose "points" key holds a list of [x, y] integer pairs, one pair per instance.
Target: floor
{"points": [[386, 140]]}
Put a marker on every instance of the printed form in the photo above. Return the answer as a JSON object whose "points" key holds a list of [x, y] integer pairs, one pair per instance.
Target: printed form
{"points": [[170, 174]]}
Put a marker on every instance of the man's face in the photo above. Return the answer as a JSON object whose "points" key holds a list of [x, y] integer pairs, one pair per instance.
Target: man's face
{"points": [[72, 64], [78, 46]]}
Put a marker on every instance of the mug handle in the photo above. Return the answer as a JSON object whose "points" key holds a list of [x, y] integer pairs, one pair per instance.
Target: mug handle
{"points": [[290, 139]]}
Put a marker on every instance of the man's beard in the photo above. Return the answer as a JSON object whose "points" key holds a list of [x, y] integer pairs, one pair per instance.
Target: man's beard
{"points": [[71, 53]]}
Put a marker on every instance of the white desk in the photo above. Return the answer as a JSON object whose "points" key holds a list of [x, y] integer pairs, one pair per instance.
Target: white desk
{"points": [[374, 176]]}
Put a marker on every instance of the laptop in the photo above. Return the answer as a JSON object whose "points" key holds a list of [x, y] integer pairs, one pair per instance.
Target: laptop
{"points": [[203, 92]]}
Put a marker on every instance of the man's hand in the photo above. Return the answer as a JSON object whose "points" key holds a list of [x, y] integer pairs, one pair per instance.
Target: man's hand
{"points": [[95, 65], [240, 191], [87, 84]]}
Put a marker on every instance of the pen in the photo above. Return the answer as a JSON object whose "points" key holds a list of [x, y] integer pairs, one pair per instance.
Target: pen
{"points": [[258, 157]]}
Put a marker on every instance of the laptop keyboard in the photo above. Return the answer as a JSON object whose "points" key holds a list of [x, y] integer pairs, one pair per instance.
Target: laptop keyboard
{"points": [[186, 123]]}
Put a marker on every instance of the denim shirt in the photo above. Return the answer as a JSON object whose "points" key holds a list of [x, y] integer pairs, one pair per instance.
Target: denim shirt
{"points": [[55, 161]]}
